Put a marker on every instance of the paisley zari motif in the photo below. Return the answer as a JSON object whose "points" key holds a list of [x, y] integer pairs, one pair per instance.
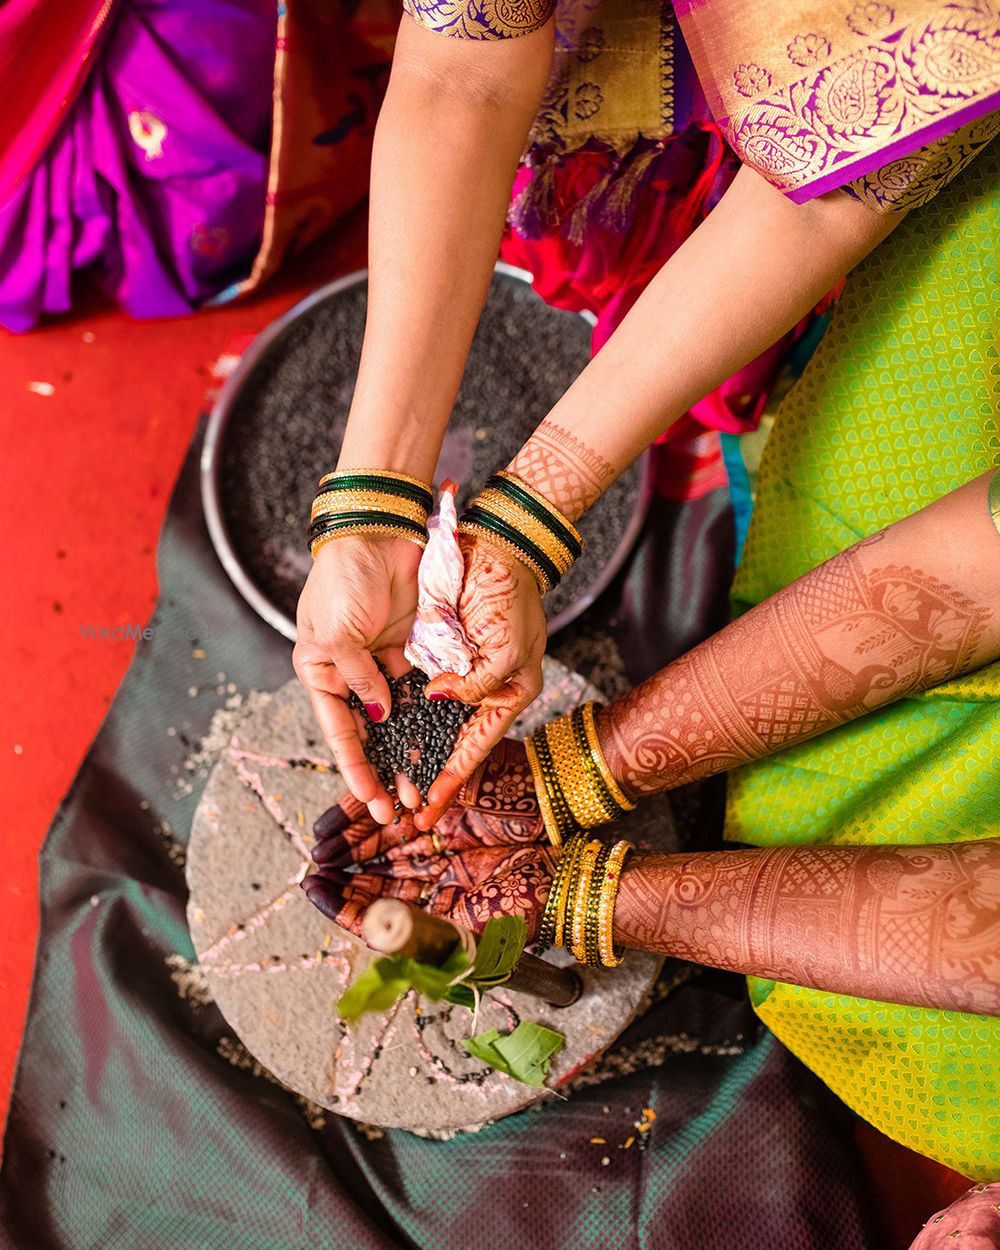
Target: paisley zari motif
{"points": [[881, 81], [481, 19]]}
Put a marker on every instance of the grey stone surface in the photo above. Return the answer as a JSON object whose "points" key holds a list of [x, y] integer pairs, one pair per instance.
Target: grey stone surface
{"points": [[276, 967]]}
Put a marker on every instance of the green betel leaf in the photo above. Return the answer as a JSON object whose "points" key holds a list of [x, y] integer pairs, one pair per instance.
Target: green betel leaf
{"points": [[434, 979], [524, 1054], [498, 949], [376, 989], [389, 978]]}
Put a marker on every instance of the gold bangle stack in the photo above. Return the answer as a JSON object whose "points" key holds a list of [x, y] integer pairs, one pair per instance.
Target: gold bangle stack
{"points": [[575, 786], [579, 911], [369, 501], [514, 516]]}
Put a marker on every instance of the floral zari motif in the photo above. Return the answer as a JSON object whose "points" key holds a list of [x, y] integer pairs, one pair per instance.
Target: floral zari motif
{"points": [[881, 80]]}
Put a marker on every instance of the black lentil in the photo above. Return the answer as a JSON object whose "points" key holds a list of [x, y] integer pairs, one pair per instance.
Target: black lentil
{"points": [[417, 736]]}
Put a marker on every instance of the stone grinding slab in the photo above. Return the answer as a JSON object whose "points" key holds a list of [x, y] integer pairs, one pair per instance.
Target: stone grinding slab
{"points": [[287, 420], [276, 966]]}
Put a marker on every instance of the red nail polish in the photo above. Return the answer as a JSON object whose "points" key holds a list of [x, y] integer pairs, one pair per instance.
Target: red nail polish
{"points": [[375, 710], [437, 695]]}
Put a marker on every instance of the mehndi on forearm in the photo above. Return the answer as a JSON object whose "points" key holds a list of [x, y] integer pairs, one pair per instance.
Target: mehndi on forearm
{"points": [[904, 610], [917, 925]]}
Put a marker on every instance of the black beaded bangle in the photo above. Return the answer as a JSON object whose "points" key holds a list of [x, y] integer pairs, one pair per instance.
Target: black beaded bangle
{"points": [[547, 929], [560, 808], [481, 517], [513, 491], [598, 782], [591, 924]]}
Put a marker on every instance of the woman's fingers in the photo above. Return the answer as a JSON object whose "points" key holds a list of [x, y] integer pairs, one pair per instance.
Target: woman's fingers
{"points": [[341, 735], [339, 817], [357, 667], [408, 793]]}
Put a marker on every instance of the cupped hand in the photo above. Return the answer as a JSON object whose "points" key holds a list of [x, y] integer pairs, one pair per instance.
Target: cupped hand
{"points": [[475, 874], [487, 856], [501, 611], [359, 600]]}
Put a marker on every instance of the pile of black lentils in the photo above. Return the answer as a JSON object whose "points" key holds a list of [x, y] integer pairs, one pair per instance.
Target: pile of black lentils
{"points": [[417, 736]]}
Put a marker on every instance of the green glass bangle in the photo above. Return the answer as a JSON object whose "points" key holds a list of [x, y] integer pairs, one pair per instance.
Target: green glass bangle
{"points": [[540, 513], [491, 522], [326, 523], [373, 481]]}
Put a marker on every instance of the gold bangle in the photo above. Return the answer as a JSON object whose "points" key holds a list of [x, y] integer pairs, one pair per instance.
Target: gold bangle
{"points": [[555, 903], [609, 894], [538, 533], [584, 799], [561, 814], [376, 531], [476, 530], [592, 909], [564, 904], [542, 795], [334, 502], [545, 503], [597, 755], [578, 903]]}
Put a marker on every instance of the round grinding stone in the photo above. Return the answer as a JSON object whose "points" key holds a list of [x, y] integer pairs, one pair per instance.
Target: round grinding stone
{"points": [[276, 966], [284, 413]]}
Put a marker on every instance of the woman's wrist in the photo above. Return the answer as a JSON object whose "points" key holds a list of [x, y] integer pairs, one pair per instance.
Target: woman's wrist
{"points": [[576, 788], [565, 469], [373, 502], [510, 513]]}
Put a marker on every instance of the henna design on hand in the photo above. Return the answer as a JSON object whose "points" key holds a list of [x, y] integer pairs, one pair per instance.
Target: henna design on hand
{"points": [[563, 468], [832, 646], [502, 784], [907, 924], [496, 805], [487, 866]]}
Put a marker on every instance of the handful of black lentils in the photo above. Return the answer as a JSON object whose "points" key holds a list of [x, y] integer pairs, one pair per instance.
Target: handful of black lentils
{"points": [[417, 736]]}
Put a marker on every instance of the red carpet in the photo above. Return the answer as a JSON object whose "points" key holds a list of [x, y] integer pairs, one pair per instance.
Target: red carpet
{"points": [[97, 412]]}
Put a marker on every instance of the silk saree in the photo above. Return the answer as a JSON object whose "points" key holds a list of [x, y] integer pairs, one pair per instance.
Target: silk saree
{"points": [[887, 103]]}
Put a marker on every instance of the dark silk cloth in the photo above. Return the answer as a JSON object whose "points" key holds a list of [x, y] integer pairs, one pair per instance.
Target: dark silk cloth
{"points": [[130, 1128]]}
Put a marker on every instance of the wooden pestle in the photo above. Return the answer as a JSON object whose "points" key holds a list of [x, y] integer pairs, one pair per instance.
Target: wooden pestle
{"points": [[396, 928]]}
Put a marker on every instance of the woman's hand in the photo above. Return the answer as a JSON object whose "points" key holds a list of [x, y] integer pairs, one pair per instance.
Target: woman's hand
{"points": [[474, 876], [360, 598], [501, 611], [487, 856], [500, 789]]}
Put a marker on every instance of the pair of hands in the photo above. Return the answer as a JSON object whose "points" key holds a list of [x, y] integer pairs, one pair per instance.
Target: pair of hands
{"points": [[359, 601], [488, 855]]}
